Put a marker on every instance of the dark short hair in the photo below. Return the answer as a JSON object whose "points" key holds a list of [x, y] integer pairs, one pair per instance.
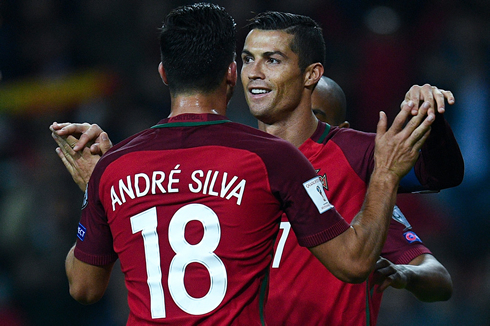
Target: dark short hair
{"points": [[308, 42], [197, 44]]}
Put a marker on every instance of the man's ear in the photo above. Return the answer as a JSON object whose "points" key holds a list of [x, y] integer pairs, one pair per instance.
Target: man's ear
{"points": [[313, 73], [162, 73], [231, 75], [344, 124]]}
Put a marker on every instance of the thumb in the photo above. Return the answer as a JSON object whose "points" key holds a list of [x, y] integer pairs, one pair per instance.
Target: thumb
{"points": [[105, 143]]}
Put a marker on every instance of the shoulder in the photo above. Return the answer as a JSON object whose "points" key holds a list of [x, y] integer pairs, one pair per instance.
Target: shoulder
{"points": [[281, 158], [353, 143], [260, 142], [118, 150], [348, 135]]}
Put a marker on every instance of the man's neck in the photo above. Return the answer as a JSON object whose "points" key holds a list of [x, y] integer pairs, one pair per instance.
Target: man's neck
{"points": [[198, 103], [296, 129]]}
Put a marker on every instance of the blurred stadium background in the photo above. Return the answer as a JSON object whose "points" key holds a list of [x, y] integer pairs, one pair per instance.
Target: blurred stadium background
{"points": [[96, 61]]}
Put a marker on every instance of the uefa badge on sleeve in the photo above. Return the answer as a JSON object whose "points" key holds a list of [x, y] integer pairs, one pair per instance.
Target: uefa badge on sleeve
{"points": [[411, 237], [81, 232], [314, 188]]}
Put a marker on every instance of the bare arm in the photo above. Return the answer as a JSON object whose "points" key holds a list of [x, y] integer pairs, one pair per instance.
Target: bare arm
{"points": [[424, 276], [352, 255], [88, 283]]}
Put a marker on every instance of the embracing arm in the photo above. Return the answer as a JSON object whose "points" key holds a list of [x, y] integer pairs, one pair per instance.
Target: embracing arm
{"points": [[424, 276], [352, 255], [87, 282], [441, 163]]}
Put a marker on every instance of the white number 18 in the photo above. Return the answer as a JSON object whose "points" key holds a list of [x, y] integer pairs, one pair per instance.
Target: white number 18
{"points": [[185, 253]]}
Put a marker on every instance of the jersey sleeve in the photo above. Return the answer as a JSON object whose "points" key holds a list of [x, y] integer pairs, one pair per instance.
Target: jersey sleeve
{"points": [[94, 238], [439, 166], [402, 243], [313, 218], [441, 163]]}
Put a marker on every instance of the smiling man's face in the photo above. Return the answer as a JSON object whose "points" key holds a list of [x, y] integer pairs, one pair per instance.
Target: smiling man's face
{"points": [[272, 80]]}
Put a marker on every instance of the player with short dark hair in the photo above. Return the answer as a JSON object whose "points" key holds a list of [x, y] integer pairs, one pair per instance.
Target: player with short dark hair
{"points": [[197, 63], [415, 270], [191, 206], [343, 159], [310, 47]]}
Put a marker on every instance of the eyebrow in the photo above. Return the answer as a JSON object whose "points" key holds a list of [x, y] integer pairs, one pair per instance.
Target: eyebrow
{"points": [[266, 54]]}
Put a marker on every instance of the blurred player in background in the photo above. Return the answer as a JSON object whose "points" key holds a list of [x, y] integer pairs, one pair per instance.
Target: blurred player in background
{"points": [[329, 104], [197, 197]]}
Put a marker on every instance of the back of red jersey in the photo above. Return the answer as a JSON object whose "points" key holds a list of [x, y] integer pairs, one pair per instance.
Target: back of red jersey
{"points": [[193, 217], [187, 197]]}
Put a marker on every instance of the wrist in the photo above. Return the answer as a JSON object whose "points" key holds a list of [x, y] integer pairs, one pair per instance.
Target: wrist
{"points": [[409, 278], [385, 178]]}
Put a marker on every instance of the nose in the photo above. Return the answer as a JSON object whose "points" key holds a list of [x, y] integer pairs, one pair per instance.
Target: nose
{"points": [[254, 71]]}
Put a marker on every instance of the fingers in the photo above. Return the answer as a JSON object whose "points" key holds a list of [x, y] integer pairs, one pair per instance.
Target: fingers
{"points": [[423, 97], [105, 143], [70, 165], [382, 124], [440, 96], [102, 145], [67, 128], [439, 99], [86, 133], [65, 161], [381, 263], [57, 126], [400, 119], [428, 95], [79, 163], [420, 142], [65, 143], [412, 98], [448, 95], [88, 137], [383, 272], [419, 128], [397, 149]]}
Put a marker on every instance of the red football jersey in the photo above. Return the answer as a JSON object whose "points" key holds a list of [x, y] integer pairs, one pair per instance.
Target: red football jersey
{"points": [[191, 208], [302, 292]]}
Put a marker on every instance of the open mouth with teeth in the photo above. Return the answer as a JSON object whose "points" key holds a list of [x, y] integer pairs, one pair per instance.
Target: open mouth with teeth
{"points": [[257, 91]]}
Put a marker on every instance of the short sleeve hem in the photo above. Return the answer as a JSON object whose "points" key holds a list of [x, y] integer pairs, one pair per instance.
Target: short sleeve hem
{"points": [[411, 254], [325, 235], [94, 260]]}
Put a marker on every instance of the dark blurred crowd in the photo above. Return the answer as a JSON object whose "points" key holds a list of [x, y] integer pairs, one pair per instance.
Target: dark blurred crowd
{"points": [[96, 61]]}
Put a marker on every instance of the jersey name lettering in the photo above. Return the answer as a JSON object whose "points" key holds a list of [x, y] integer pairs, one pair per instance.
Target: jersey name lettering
{"points": [[212, 183], [209, 184]]}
